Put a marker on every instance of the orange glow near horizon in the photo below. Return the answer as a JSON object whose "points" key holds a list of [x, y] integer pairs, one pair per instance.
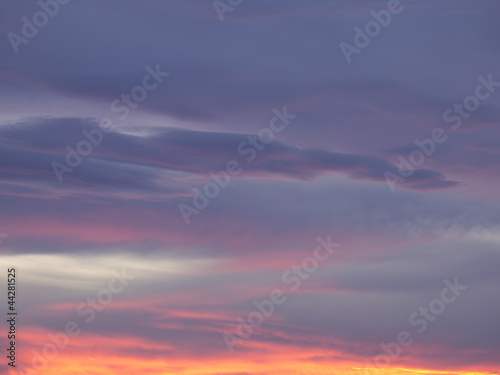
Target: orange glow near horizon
{"points": [[111, 365], [104, 355]]}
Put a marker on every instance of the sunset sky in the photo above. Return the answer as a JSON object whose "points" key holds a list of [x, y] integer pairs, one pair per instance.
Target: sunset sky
{"points": [[168, 166]]}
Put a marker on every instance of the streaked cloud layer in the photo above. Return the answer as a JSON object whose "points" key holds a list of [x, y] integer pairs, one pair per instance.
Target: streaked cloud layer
{"points": [[111, 229]]}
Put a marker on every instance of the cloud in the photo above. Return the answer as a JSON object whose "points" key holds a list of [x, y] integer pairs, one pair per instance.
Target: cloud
{"points": [[135, 162]]}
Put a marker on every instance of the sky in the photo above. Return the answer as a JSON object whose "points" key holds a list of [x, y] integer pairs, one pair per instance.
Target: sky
{"points": [[251, 187]]}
